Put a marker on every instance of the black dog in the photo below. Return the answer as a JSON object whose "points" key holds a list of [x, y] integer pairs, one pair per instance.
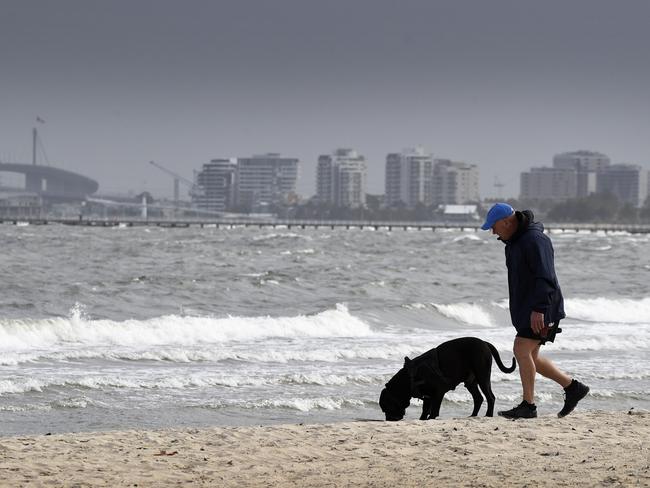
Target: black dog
{"points": [[439, 370]]}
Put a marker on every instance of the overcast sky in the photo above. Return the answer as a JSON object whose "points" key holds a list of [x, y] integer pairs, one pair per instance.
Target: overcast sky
{"points": [[501, 84]]}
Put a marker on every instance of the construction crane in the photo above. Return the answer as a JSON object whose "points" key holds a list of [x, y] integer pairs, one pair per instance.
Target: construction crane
{"points": [[177, 180]]}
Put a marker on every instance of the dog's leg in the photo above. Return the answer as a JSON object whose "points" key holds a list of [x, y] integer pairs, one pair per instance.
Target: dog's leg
{"points": [[436, 401], [426, 408], [476, 396], [486, 388]]}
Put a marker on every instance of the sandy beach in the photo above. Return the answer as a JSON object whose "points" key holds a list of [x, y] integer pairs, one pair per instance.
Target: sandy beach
{"points": [[583, 449]]}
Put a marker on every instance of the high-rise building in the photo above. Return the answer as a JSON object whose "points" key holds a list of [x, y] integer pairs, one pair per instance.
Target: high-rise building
{"points": [[247, 184], [341, 178], [409, 178], [549, 183], [265, 180], [324, 192], [216, 186], [455, 183], [628, 182], [587, 165]]}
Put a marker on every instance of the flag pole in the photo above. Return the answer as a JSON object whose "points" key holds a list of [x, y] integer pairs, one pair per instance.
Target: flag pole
{"points": [[34, 136]]}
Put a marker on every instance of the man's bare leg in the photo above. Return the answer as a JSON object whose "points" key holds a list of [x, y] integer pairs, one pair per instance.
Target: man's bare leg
{"points": [[547, 368], [523, 350]]}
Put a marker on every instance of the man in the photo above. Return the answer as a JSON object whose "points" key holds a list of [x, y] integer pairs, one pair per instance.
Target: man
{"points": [[536, 304]]}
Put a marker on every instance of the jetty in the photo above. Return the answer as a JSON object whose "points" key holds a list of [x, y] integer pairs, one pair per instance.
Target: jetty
{"points": [[317, 224]]}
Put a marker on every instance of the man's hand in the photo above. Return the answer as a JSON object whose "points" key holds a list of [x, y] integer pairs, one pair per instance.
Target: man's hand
{"points": [[537, 322]]}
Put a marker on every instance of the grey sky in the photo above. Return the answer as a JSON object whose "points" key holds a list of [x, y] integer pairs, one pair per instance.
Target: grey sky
{"points": [[502, 84]]}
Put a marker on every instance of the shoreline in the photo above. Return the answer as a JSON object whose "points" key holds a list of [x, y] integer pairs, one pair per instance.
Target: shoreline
{"points": [[582, 449]]}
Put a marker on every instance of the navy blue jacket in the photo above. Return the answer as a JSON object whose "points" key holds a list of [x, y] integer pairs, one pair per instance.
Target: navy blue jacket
{"points": [[532, 283]]}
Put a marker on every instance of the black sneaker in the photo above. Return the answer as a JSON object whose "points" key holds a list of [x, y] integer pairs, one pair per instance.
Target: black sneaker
{"points": [[573, 393], [524, 410]]}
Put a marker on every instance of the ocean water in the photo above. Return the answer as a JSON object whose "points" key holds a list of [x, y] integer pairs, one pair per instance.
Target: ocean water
{"points": [[120, 328]]}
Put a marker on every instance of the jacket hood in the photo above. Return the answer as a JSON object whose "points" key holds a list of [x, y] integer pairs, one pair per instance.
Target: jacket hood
{"points": [[526, 220]]}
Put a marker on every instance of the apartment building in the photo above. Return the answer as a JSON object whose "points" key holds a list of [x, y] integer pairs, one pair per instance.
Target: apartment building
{"points": [[248, 184], [580, 173], [545, 183], [341, 178], [215, 186], [455, 183], [263, 180], [409, 178], [587, 165], [628, 182]]}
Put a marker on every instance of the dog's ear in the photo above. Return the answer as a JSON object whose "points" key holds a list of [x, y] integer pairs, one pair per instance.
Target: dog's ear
{"points": [[407, 362]]}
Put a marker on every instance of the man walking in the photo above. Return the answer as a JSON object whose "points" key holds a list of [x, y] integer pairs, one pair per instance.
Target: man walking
{"points": [[536, 304]]}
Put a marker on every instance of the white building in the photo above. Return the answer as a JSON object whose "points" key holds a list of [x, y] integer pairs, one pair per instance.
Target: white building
{"points": [[409, 178], [264, 180], [246, 184], [455, 182], [549, 184], [458, 213], [341, 178]]}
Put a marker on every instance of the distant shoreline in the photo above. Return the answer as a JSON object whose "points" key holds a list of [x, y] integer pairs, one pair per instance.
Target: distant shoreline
{"points": [[583, 449]]}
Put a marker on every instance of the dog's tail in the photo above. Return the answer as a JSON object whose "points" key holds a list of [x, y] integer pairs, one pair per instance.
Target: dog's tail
{"points": [[497, 358]]}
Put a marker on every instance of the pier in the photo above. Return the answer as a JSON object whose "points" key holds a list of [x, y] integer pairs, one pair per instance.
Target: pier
{"points": [[316, 224]]}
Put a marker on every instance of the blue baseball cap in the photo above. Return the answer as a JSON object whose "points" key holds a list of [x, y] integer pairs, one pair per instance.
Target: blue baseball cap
{"points": [[497, 212]]}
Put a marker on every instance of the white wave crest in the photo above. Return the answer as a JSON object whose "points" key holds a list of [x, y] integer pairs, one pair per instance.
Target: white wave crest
{"points": [[305, 404], [468, 237], [599, 309], [309, 404], [171, 330], [207, 353], [612, 310], [330, 379], [9, 386], [281, 235], [468, 313], [180, 381]]}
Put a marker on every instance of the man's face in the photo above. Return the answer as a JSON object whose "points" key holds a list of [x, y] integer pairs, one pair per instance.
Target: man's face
{"points": [[503, 228]]}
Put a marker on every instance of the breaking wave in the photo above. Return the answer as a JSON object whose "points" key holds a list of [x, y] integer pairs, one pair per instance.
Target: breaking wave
{"points": [[613, 310], [468, 313], [174, 330]]}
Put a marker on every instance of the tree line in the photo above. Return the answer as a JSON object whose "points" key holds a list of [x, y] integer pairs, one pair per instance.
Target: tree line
{"points": [[597, 207]]}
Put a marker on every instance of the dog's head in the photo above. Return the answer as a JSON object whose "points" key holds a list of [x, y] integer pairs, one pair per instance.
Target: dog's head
{"points": [[396, 397], [391, 405]]}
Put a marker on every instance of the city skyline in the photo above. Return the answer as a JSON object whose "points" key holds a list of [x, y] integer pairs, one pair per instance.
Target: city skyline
{"points": [[505, 85]]}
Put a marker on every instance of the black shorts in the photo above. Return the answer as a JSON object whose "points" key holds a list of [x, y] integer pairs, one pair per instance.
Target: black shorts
{"points": [[550, 335]]}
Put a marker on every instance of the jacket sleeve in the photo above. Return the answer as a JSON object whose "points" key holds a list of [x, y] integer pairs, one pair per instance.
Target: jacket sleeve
{"points": [[540, 261]]}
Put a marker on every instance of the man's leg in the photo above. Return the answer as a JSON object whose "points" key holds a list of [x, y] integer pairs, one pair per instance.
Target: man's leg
{"points": [[523, 350], [573, 389], [547, 368]]}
